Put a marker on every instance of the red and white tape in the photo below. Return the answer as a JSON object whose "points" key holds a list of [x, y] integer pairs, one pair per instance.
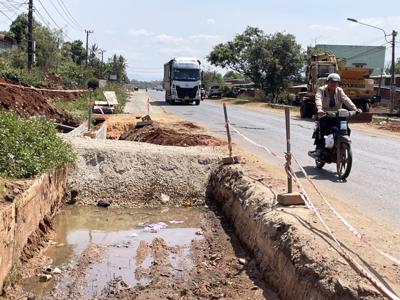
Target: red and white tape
{"points": [[362, 237], [148, 106], [362, 270], [255, 144]]}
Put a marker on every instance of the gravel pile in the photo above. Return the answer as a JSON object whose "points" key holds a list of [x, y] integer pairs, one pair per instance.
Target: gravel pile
{"points": [[131, 174]]}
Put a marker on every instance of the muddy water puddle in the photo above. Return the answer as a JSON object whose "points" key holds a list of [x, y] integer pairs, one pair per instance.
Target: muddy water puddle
{"points": [[94, 247]]}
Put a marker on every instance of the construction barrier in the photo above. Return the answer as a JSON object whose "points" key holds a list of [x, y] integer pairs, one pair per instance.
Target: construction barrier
{"points": [[362, 237]]}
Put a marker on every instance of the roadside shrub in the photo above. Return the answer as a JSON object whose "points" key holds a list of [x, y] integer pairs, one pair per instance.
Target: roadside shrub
{"points": [[93, 84], [30, 147]]}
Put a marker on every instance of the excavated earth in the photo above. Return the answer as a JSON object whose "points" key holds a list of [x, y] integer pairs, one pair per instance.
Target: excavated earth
{"points": [[245, 246], [30, 102], [176, 134]]}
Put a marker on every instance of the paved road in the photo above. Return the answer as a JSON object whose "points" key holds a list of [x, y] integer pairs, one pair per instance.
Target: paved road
{"points": [[373, 185]]}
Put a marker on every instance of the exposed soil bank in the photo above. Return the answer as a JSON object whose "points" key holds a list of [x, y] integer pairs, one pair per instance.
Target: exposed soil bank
{"points": [[25, 221], [298, 263], [183, 134], [139, 174], [30, 102]]}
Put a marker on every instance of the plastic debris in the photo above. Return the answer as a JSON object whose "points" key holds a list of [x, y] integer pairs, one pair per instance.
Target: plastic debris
{"points": [[133, 235], [175, 222], [155, 227]]}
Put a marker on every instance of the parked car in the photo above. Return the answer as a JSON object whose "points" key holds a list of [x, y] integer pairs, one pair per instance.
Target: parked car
{"points": [[214, 91]]}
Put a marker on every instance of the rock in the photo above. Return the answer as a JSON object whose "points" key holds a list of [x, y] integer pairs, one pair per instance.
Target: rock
{"points": [[56, 271], [104, 203], [45, 277], [73, 196], [164, 198], [9, 197], [242, 261]]}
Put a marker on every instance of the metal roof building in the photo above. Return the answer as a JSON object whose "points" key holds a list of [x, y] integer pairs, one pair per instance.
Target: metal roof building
{"points": [[359, 56]]}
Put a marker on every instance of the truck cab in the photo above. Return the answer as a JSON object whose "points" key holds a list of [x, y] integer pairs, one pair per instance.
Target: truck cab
{"points": [[182, 80]]}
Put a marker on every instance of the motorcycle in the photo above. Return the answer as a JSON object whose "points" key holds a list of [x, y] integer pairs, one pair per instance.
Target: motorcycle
{"points": [[337, 147]]}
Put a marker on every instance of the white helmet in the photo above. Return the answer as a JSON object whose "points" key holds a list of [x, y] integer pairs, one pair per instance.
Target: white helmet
{"points": [[333, 77]]}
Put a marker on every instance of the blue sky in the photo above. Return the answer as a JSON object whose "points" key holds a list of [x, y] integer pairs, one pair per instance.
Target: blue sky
{"points": [[149, 33]]}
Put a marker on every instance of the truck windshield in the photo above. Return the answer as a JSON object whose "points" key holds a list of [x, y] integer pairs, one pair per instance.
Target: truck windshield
{"points": [[187, 74], [325, 70]]}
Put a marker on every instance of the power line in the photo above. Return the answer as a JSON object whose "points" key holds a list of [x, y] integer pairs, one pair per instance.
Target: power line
{"points": [[41, 4], [4, 14], [48, 24], [61, 15], [68, 13]]}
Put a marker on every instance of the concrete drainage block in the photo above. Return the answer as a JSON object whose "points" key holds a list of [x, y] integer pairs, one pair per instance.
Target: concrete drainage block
{"points": [[290, 199]]}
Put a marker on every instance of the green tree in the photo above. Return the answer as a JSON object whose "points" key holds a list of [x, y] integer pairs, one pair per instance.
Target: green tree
{"points": [[75, 51], [211, 77], [232, 75], [117, 66], [270, 61]]}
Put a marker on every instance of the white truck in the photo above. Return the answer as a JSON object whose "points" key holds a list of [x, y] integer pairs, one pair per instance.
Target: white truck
{"points": [[182, 80]]}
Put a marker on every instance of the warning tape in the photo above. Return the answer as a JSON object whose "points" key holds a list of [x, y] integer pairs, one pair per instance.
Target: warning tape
{"points": [[363, 271], [352, 229], [254, 143], [148, 106], [362, 237]]}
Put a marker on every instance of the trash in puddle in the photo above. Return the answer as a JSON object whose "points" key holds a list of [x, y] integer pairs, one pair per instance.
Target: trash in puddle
{"points": [[133, 235], [164, 198], [175, 222], [155, 227], [164, 210]]}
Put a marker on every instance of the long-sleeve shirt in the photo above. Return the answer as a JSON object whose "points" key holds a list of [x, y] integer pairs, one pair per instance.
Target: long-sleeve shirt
{"points": [[323, 100]]}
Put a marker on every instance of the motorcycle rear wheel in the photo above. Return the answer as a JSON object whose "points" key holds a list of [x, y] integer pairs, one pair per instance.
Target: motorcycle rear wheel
{"points": [[344, 161]]}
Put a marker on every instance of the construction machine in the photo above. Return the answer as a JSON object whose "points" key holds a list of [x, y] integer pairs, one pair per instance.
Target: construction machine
{"points": [[355, 83]]}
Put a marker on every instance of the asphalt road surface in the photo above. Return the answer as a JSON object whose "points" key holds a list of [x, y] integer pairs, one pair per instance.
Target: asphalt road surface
{"points": [[374, 183]]}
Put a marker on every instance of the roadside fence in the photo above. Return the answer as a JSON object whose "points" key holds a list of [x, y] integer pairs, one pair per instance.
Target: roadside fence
{"points": [[310, 205]]}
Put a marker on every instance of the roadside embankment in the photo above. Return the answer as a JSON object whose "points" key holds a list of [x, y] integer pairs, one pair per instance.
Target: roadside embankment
{"points": [[26, 220], [297, 260]]}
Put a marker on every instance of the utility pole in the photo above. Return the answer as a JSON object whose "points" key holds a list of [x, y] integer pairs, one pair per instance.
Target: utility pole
{"points": [[30, 35], [393, 80], [102, 63], [87, 46]]}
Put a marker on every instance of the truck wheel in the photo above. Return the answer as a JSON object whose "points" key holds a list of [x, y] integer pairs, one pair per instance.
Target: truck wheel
{"points": [[197, 102]]}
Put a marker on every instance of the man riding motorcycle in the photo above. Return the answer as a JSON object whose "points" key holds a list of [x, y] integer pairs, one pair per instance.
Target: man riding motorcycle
{"points": [[329, 98]]}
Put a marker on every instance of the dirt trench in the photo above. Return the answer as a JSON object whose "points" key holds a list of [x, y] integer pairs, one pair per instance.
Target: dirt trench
{"points": [[244, 245]]}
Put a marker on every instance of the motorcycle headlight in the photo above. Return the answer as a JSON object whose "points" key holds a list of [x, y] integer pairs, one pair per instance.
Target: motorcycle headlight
{"points": [[344, 113], [343, 125]]}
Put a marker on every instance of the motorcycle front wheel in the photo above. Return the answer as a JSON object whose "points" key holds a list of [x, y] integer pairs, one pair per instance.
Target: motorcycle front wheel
{"points": [[344, 160]]}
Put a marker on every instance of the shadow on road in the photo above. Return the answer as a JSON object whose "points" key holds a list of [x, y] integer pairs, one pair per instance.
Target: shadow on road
{"points": [[163, 103], [318, 174]]}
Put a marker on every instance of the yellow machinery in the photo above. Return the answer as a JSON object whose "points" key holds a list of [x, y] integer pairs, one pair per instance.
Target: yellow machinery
{"points": [[355, 83]]}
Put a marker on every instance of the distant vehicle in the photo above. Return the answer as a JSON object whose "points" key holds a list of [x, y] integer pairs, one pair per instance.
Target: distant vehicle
{"points": [[214, 91], [135, 88], [182, 80]]}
